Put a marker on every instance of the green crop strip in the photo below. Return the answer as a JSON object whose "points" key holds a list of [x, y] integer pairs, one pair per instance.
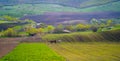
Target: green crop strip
{"points": [[32, 52]]}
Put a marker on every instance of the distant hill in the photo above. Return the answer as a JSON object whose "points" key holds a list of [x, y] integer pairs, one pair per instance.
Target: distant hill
{"points": [[70, 3], [35, 9], [63, 17]]}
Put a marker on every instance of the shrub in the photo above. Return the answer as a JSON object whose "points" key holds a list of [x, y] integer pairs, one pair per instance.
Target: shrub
{"points": [[9, 33], [50, 28], [94, 29], [31, 31]]}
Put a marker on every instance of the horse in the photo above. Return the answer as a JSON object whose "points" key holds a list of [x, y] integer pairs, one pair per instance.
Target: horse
{"points": [[54, 41]]}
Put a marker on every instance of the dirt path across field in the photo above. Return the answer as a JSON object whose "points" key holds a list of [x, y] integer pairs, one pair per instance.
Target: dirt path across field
{"points": [[8, 44]]}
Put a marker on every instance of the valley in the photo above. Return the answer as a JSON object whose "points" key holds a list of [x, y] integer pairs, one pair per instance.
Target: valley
{"points": [[59, 30]]}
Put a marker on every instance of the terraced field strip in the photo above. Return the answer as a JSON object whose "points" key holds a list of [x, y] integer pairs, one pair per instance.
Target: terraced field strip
{"points": [[92, 51], [32, 52]]}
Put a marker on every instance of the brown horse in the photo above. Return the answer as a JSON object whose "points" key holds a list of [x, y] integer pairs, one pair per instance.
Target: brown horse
{"points": [[53, 41]]}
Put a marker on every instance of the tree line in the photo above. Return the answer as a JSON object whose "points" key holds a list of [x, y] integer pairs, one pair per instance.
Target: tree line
{"points": [[31, 28]]}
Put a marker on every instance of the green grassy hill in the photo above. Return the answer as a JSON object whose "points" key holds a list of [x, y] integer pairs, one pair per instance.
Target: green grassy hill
{"points": [[110, 36]]}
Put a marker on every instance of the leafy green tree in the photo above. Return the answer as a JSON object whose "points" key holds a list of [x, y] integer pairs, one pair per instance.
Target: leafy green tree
{"points": [[80, 27], [94, 21], [30, 30], [10, 33], [50, 28], [94, 28], [87, 27], [42, 25], [109, 22], [83, 27], [9, 18], [70, 27], [31, 23], [102, 25], [40, 30], [59, 28]]}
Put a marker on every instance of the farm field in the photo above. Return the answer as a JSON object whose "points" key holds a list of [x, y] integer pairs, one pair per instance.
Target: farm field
{"points": [[78, 46], [88, 51], [32, 52], [59, 30]]}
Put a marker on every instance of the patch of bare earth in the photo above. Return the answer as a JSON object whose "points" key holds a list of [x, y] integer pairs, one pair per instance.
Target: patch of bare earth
{"points": [[6, 45]]}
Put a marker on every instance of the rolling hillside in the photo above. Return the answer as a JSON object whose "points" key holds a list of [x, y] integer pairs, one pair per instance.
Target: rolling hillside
{"points": [[70, 18], [28, 9], [61, 11]]}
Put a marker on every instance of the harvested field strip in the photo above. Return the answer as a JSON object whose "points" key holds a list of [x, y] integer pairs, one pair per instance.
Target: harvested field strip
{"points": [[99, 51]]}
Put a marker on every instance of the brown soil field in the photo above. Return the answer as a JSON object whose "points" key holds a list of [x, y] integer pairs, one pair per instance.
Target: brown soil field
{"points": [[6, 45]]}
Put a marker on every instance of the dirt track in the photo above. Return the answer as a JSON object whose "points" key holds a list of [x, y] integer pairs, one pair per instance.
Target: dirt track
{"points": [[6, 45]]}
